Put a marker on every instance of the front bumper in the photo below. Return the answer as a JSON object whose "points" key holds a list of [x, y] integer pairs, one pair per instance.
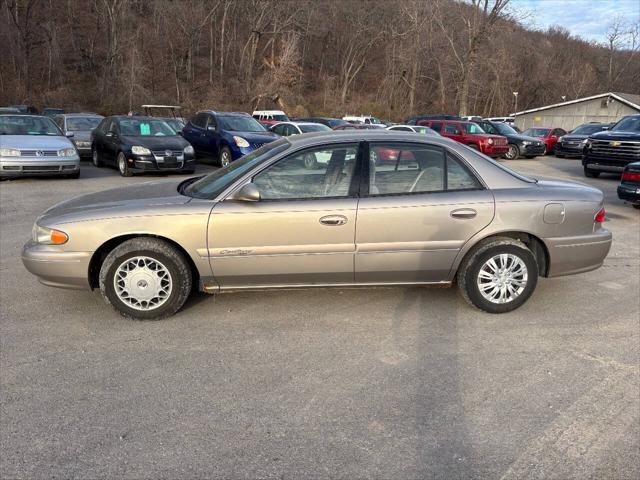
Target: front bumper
{"points": [[629, 193], [84, 148], [570, 149], [569, 255], [152, 163], [55, 267], [608, 164], [494, 150], [18, 167], [532, 150]]}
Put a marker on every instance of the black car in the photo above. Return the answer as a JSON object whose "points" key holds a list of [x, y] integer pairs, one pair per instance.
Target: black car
{"points": [[614, 149], [329, 122], [571, 145], [519, 145], [140, 144], [629, 188]]}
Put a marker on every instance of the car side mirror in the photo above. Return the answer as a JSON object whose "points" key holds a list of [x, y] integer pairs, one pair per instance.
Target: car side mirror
{"points": [[211, 128], [605, 128], [69, 134], [247, 193], [110, 133]]}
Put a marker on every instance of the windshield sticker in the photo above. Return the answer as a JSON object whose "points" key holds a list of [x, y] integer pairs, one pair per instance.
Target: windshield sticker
{"points": [[145, 129]]}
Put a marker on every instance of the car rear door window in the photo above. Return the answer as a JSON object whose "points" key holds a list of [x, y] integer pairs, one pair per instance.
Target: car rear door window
{"points": [[397, 168], [451, 129], [200, 120], [317, 173], [437, 126]]}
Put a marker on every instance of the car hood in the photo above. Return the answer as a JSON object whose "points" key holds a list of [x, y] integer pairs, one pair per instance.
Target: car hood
{"points": [[522, 138], [616, 135], [156, 143], [574, 137], [256, 137], [122, 201], [29, 142]]}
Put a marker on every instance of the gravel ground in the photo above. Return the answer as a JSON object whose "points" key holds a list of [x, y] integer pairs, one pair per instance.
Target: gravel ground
{"points": [[397, 383]]}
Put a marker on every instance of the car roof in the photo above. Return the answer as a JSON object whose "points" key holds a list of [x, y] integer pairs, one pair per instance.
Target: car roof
{"points": [[381, 134], [81, 114], [230, 114]]}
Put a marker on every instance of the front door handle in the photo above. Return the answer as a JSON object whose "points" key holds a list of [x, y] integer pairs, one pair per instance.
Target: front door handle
{"points": [[464, 213], [333, 220]]}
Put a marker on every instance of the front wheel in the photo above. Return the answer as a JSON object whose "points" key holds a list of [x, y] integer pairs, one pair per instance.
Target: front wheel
{"points": [[513, 153], [225, 156], [95, 157], [591, 173], [499, 275], [146, 279], [123, 168]]}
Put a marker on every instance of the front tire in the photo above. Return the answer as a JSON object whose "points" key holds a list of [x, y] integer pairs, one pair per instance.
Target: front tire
{"points": [[145, 279], [123, 168], [513, 153], [95, 157], [499, 275], [224, 158], [591, 173]]}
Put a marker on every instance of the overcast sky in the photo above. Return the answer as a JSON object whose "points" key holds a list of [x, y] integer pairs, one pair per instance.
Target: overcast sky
{"points": [[588, 19]]}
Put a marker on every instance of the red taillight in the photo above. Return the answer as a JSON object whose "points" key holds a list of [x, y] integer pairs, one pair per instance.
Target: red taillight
{"points": [[631, 177], [600, 216]]}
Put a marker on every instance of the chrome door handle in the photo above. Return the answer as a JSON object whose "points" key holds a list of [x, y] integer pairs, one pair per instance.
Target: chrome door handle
{"points": [[333, 220], [464, 213]]}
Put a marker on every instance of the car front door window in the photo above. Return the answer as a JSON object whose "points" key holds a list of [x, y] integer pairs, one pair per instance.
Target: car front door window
{"points": [[318, 173]]}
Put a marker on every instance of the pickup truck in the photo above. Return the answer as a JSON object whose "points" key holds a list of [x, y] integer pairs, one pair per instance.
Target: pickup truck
{"points": [[612, 150], [471, 135]]}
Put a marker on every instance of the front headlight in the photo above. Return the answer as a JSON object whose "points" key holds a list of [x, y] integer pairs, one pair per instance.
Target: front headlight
{"points": [[586, 141], [526, 142], [188, 150], [490, 141], [560, 139], [9, 152], [138, 150], [48, 236], [67, 152], [241, 142]]}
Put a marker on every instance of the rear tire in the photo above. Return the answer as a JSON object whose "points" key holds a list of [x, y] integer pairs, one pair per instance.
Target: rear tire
{"points": [[591, 173], [140, 264], [512, 281]]}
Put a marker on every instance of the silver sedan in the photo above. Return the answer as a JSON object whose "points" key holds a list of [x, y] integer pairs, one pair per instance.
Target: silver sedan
{"points": [[386, 209]]}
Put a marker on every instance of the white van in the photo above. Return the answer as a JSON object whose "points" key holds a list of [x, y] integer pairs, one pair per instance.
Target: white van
{"points": [[270, 117], [368, 119]]}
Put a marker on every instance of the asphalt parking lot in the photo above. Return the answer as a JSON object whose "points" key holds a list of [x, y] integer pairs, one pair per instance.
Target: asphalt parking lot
{"points": [[394, 383]]}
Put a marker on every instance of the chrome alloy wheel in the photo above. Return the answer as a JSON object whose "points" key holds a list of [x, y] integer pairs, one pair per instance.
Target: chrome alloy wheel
{"points": [[225, 158], [142, 283], [502, 278]]}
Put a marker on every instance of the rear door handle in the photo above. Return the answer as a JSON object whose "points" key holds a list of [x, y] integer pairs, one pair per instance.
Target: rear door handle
{"points": [[464, 213], [333, 220]]}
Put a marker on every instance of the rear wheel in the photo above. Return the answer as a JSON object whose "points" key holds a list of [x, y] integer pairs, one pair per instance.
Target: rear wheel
{"points": [[591, 173], [499, 275], [123, 168], [146, 279], [513, 153]]}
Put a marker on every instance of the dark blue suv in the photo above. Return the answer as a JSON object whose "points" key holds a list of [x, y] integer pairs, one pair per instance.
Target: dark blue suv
{"points": [[226, 136]]}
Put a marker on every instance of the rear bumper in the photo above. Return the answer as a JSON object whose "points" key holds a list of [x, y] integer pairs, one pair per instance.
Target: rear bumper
{"points": [[57, 268], [629, 193], [569, 255]]}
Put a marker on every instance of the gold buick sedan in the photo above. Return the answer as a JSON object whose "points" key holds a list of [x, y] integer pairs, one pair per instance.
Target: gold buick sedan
{"points": [[363, 208]]}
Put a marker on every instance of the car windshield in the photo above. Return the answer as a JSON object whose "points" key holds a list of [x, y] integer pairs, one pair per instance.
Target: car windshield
{"points": [[536, 132], [313, 128], [628, 124], [504, 129], [239, 123], [82, 124], [176, 124], [587, 129], [425, 131], [215, 183], [24, 125], [472, 128], [146, 127]]}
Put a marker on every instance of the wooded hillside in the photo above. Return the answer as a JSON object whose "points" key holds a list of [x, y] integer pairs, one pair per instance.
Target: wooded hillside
{"points": [[390, 58]]}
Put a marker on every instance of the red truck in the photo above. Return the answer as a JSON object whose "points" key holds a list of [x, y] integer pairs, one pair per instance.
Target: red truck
{"points": [[470, 134]]}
